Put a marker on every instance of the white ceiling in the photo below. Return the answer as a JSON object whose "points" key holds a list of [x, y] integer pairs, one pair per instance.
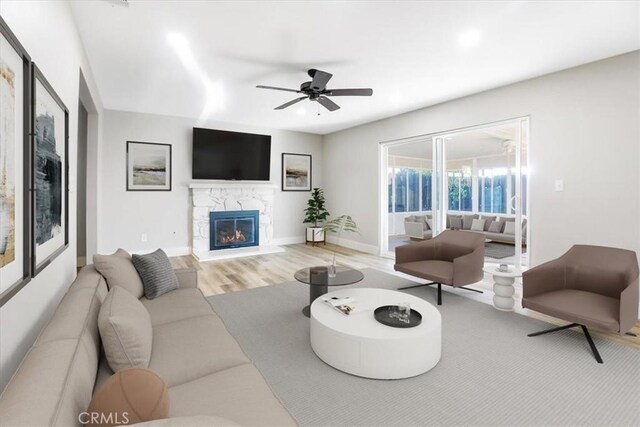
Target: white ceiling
{"points": [[410, 53]]}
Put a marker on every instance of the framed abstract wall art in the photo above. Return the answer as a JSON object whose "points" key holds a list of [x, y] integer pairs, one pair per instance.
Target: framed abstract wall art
{"points": [[148, 166], [50, 173], [296, 172], [15, 66]]}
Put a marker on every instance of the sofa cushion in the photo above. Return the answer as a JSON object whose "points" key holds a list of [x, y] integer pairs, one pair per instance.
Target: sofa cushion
{"points": [[125, 329], [496, 227], [132, 395], [455, 223], [438, 271], [410, 218], [239, 394], [509, 227], [478, 225], [118, 270], [176, 305], [467, 221], [188, 349], [156, 272], [488, 220], [573, 305]]}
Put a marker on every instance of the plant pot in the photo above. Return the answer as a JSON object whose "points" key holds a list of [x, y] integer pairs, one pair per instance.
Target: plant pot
{"points": [[315, 235]]}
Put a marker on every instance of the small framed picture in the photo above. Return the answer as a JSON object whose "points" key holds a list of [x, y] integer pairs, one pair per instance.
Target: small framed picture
{"points": [[296, 172], [148, 166]]}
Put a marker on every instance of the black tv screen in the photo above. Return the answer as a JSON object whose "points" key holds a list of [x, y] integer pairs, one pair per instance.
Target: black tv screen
{"points": [[219, 154]]}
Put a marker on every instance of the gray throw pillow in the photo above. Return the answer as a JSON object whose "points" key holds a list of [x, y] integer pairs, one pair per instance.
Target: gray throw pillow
{"points": [[455, 223], [156, 272], [467, 221], [496, 227], [487, 221], [118, 270]]}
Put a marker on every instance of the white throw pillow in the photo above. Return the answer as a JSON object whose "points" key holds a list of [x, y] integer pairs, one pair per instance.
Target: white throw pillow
{"points": [[510, 228], [125, 329], [477, 225]]}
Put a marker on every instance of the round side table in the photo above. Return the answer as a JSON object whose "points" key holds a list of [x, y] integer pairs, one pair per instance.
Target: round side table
{"points": [[503, 287]]}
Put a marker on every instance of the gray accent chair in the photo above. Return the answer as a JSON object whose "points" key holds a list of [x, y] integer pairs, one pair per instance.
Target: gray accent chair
{"points": [[589, 286], [452, 258]]}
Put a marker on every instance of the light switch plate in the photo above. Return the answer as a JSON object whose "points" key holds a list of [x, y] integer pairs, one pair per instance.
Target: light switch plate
{"points": [[559, 185]]}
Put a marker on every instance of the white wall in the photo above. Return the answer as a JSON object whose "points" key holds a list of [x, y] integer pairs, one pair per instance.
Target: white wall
{"points": [[48, 33], [166, 216], [585, 129]]}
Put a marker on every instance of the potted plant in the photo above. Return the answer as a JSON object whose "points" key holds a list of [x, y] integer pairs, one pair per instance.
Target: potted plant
{"points": [[338, 225], [315, 214]]}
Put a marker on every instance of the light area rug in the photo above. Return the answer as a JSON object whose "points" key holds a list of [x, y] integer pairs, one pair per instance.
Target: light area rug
{"points": [[490, 373]]}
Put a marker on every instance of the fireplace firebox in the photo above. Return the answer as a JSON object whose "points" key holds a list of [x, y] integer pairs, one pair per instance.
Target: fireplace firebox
{"points": [[233, 229]]}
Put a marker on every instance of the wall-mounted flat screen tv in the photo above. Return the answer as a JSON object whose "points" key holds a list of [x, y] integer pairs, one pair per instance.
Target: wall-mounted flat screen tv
{"points": [[220, 154]]}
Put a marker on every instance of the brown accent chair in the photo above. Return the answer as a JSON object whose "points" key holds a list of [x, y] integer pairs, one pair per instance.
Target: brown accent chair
{"points": [[593, 286], [453, 258]]}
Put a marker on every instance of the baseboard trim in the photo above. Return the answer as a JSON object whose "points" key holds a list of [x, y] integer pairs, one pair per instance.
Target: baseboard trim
{"points": [[281, 241], [351, 244]]}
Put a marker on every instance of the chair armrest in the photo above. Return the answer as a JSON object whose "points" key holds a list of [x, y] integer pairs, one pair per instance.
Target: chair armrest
{"points": [[187, 277], [422, 251], [467, 269], [629, 306], [414, 229], [544, 278]]}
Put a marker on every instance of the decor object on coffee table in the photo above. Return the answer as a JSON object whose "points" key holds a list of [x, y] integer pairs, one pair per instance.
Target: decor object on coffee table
{"points": [[338, 225], [148, 166], [593, 286], [360, 345], [315, 213], [50, 173], [503, 289], [453, 258], [296, 172], [319, 279]]}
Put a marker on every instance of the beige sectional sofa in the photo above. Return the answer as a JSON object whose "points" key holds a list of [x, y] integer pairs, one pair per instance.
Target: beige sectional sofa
{"points": [[205, 370]]}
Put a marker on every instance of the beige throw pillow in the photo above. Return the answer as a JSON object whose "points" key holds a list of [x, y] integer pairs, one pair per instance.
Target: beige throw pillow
{"points": [[118, 270], [125, 329], [510, 228], [477, 225]]}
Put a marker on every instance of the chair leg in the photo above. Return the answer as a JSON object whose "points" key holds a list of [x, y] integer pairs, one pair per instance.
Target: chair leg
{"points": [[547, 331], [594, 350], [470, 289], [596, 354], [416, 286], [439, 294]]}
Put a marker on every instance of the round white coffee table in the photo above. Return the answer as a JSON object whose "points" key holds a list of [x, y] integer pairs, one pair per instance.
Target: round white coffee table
{"points": [[503, 289], [358, 344]]}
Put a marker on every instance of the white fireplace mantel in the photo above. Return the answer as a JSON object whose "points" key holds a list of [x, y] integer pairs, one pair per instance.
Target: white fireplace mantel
{"points": [[232, 184], [210, 196]]}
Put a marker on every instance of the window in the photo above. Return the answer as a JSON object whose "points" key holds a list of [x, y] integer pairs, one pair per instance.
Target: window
{"points": [[460, 185], [492, 188], [409, 189]]}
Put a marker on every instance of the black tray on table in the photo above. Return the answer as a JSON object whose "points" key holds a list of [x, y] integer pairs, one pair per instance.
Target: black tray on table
{"points": [[383, 315]]}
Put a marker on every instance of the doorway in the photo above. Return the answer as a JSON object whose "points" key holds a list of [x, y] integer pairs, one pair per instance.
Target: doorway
{"points": [[474, 177], [81, 186]]}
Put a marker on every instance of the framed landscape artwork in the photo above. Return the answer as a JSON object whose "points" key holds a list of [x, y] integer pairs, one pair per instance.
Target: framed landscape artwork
{"points": [[148, 166], [50, 173], [296, 172], [15, 66]]}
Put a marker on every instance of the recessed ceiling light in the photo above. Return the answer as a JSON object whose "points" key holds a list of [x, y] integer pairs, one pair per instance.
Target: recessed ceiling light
{"points": [[469, 38]]}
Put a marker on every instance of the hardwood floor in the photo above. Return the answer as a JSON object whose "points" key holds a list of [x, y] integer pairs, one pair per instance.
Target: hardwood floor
{"points": [[218, 277]]}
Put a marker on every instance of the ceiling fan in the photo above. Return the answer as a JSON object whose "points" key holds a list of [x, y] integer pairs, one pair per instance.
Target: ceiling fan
{"points": [[316, 90]]}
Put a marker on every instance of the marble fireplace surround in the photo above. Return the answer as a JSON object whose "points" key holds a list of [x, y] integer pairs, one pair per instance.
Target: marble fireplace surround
{"points": [[211, 196]]}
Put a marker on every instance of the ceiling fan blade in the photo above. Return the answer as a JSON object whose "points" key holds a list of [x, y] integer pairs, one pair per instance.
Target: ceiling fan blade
{"points": [[320, 79], [278, 88], [349, 92], [327, 103], [290, 103]]}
